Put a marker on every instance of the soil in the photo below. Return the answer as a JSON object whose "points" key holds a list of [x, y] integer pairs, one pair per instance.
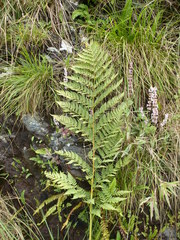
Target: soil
{"points": [[15, 154]]}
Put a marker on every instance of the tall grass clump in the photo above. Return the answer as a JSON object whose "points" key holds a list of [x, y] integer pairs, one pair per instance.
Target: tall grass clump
{"points": [[9, 228], [141, 33], [28, 87], [20, 22], [153, 176], [16, 224], [28, 34]]}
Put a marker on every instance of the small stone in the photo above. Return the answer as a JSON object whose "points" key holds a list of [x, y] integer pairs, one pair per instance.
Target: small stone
{"points": [[35, 125]]}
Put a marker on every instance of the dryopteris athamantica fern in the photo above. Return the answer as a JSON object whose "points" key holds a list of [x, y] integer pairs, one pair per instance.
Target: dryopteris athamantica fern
{"points": [[93, 110]]}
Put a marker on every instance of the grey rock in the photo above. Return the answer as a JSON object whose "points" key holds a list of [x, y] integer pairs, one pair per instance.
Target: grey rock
{"points": [[71, 143], [35, 125], [57, 141]]}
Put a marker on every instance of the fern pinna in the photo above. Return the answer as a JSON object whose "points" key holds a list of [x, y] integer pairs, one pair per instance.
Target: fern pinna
{"points": [[93, 110]]}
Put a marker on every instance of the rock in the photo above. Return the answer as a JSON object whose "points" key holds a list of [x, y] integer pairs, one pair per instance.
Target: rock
{"points": [[35, 125], [56, 141], [65, 46]]}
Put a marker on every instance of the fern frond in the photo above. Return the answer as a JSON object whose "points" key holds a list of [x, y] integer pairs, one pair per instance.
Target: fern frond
{"points": [[74, 97], [65, 181], [83, 73], [102, 73], [76, 160], [110, 104], [85, 58], [108, 195], [110, 117], [68, 183], [75, 126], [105, 93], [49, 200], [80, 79], [109, 171], [109, 141], [77, 87], [83, 65], [111, 145], [76, 110], [93, 111]]}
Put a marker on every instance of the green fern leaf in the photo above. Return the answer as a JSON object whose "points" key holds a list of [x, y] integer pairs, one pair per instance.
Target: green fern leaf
{"points": [[75, 126], [49, 200], [74, 97], [68, 183], [76, 160], [50, 211], [107, 206], [76, 110], [93, 110]]}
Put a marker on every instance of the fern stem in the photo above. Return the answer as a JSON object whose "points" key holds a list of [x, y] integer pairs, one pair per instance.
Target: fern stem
{"points": [[92, 179]]}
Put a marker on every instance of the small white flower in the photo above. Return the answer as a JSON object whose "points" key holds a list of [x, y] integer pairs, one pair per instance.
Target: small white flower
{"points": [[130, 79], [65, 75], [84, 39], [143, 115], [164, 120], [152, 105], [56, 123]]}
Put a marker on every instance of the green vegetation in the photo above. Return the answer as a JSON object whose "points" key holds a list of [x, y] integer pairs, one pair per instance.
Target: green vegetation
{"points": [[100, 121], [136, 166], [16, 224], [118, 92], [27, 87], [141, 35]]}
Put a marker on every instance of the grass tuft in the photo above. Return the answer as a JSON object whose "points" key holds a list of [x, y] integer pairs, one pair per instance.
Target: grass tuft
{"points": [[29, 88]]}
